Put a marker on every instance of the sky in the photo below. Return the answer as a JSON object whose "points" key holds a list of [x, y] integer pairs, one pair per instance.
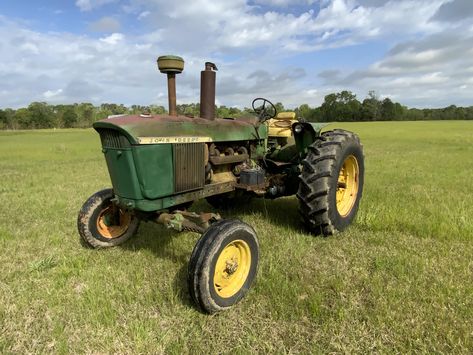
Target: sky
{"points": [[417, 52]]}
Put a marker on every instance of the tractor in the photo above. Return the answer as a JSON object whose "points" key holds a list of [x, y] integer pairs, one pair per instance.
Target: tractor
{"points": [[160, 164]]}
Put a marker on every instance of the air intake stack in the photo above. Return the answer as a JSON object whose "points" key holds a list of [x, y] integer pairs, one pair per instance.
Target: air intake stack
{"points": [[171, 65], [207, 91]]}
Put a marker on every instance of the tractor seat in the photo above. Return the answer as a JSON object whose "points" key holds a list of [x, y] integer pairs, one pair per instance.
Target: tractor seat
{"points": [[290, 116], [280, 126]]}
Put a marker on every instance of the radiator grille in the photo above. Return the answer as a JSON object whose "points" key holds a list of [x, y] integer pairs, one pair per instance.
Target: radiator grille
{"points": [[189, 170], [111, 138]]}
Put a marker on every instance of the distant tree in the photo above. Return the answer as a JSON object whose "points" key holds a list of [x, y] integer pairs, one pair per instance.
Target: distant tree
{"points": [[41, 115], [69, 117], [86, 114], [246, 112], [223, 112], [157, 110], [414, 114], [279, 107], [23, 118], [115, 109], [304, 111], [469, 113], [342, 106], [371, 107], [3, 119], [10, 122], [388, 110], [399, 111], [450, 113]]}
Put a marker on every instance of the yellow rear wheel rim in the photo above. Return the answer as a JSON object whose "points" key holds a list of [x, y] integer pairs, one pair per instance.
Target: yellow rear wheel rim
{"points": [[110, 230], [232, 268], [347, 189]]}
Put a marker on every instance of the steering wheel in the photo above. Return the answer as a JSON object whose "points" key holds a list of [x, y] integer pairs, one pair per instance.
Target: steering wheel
{"points": [[264, 112]]}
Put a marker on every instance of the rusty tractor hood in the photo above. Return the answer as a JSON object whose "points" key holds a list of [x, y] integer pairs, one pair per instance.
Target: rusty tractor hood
{"points": [[153, 129]]}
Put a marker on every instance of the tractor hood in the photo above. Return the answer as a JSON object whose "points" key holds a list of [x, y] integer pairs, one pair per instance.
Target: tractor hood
{"points": [[155, 129]]}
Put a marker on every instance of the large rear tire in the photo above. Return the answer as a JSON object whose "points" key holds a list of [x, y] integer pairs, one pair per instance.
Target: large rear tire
{"points": [[331, 182], [101, 224], [223, 265]]}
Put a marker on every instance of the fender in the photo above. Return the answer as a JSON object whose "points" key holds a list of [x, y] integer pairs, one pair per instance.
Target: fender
{"points": [[305, 133]]}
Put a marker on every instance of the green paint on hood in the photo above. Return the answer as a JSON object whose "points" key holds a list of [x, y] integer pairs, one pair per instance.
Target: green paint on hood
{"points": [[218, 130]]}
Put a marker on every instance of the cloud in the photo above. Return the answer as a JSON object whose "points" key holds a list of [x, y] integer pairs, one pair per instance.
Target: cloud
{"points": [[113, 39], [143, 15], [262, 48], [48, 94], [285, 3], [439, 65], [457, 10], [87, 5], [200, 26], [66, 68], [330, 75], [105, 24]]}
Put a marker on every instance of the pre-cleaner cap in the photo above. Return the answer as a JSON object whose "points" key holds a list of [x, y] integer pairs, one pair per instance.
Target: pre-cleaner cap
{"points": [[170, 64]]}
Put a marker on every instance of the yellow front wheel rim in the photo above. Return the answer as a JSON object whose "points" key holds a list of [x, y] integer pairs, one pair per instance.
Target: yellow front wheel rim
{"points": [[232, 268], [347, 189], [109, 230]]}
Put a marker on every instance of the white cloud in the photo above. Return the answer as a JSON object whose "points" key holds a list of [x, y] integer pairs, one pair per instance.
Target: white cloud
{"points": [[87, 5], [29, 47], [252, 47], [143, 15], [113, 39], [285, 3], [202, 25], [51, 93]]}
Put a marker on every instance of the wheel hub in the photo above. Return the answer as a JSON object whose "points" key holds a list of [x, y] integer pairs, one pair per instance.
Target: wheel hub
{"points": [[112, 222], [232, 268], [347, 187]]}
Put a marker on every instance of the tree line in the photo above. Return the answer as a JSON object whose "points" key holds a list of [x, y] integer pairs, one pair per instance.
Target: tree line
{"points": [[341, 106]]}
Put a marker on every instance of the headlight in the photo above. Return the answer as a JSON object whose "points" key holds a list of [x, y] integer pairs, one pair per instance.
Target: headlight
{"points": [[298, 128]]}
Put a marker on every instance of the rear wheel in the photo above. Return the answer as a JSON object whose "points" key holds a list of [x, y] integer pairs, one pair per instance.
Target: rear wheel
{"points": [[331, 182], [101, 224], [223, 265]]}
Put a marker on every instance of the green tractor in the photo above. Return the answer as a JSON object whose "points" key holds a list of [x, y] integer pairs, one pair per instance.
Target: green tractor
{"points": [[159, 165]]}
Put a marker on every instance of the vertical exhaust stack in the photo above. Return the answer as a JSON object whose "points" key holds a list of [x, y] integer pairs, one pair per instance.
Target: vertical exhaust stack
{"points": [[171, 65], [207, 91]]}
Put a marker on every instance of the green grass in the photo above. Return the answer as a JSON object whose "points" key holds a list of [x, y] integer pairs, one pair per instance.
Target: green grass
{"points": [[399, 280]]}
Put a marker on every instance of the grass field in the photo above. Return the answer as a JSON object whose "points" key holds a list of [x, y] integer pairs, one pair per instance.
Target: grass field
{"points": [[399, 280]]}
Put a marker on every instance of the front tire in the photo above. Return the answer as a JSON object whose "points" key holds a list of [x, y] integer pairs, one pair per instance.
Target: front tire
{"points": [[331, 182], [101, 224], [223, 265]]}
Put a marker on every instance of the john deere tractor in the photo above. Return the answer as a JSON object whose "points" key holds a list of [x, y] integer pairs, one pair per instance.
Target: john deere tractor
{"points": [[160, 164]]}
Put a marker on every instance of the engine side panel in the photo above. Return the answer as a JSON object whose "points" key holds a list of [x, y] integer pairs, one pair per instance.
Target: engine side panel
{"points": [[154, 169]]}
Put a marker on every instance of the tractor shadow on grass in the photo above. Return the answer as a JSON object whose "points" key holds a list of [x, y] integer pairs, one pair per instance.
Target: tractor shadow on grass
{"points": [[281, 212], [165, 243]]}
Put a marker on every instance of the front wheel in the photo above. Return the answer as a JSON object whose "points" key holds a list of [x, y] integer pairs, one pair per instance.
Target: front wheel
{"points": [[101, 224], [223, 265], [331, 182]]}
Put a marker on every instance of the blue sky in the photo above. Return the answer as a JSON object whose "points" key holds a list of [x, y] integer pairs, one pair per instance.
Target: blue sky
{"points": [[417, 52]]}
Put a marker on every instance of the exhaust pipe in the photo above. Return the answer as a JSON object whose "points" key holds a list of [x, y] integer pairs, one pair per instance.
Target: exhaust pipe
{"points": [[171, 65], [207, 91]]}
